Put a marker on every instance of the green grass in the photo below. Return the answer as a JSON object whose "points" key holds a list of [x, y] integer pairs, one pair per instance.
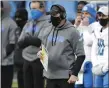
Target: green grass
{"points": [[14, 85]]}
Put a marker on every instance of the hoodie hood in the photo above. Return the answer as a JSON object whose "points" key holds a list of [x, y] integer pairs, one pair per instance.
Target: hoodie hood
{"points": [[43, 18], [67, 25]]}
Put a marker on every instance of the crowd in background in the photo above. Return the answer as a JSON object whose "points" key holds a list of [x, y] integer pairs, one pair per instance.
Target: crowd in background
{"points": [[85, 39]]}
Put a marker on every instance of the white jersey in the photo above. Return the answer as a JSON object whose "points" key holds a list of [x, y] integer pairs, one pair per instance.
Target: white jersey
{"points": [[87, 33], [95, 27], [100, 47], [87, 41]]}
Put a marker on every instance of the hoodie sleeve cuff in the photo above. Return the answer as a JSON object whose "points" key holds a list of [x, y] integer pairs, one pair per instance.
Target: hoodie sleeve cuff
{"points": [[77, 65]]}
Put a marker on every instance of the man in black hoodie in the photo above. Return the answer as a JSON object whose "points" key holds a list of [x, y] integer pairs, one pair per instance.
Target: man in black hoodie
{"points": [[21, 17], [64, 44]]}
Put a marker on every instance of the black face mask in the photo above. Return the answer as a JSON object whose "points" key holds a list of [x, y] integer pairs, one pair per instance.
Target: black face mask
{"points": [[103, 22], [55, 21], [21, 23]]}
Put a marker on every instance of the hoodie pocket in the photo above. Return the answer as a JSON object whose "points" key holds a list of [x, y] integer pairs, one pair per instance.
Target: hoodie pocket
{"points": [[65, 61], [59, 63]]}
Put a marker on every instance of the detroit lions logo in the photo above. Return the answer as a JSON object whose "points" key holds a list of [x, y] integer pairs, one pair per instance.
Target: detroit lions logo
{"points": [[59, 38], [101, 47], [81, 37]]}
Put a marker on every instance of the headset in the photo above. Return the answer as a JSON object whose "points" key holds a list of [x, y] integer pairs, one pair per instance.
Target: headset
{"points": [[42, 4], [62, 11]]}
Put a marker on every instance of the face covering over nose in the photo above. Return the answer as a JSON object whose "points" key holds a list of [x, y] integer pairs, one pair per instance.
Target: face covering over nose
{"points": [[103, 22], [55, 21], [36, 14], [21, 23]]}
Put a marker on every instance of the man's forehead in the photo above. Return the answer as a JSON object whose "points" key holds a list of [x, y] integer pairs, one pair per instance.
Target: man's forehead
{"points": [[35, 5], [55, 8], [80, 6], [55, 11]]}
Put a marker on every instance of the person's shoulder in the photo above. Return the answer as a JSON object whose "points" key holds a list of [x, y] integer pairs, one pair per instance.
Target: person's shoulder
{"points": [[46, 22], [95, 25], [70, 28], [11, 22], [68, 25], [28, 23]]}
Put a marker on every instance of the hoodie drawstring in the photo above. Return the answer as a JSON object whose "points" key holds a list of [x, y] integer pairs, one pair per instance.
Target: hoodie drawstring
{"points": [[47, 36], [54, 43], [53, 35], [56, 36]]}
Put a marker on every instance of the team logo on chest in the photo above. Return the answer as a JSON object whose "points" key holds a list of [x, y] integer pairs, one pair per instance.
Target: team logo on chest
{"points": [[58, 39], [101, 47]]}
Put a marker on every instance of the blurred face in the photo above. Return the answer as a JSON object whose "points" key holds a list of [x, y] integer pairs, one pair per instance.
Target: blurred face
{"points": [[90, 18], [79, 9], [55, 19], [85, 14], [101, 16], [20, 19], [80, 6], [36, 5], [36, 10], [55, 16], [103, 19]]}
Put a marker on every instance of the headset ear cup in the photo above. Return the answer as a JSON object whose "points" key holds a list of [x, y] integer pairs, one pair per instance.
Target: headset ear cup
{"points": [[30, 5], [63, 15]]}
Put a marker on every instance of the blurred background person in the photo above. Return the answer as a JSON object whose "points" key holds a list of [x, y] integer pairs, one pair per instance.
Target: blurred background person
{"points": [[8, 27], [88, 18], [21, 17], [100, 50], [30, 43], [80, 6]]}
